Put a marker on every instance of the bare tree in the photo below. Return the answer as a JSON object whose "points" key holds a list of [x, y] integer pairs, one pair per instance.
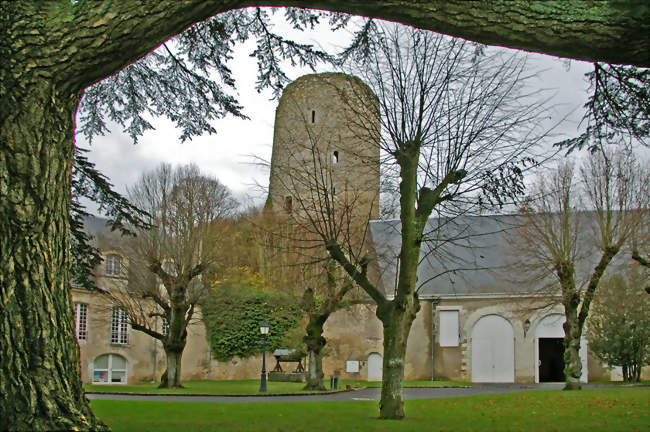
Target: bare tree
{"points": [[457, 126], [558, 236], [168, 260]]}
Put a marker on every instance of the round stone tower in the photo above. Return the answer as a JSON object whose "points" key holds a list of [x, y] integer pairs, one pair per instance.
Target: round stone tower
{"points": [[326, 133]]}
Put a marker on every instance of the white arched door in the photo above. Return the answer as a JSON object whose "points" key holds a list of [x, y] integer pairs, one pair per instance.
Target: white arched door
{"points": [[374, 367], [493, 350]]}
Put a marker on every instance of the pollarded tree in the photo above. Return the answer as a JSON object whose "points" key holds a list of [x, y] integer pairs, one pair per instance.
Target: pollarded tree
{"points": [[456, 124], [559, 233], [56, 50], [619, 329], [168, 261]]}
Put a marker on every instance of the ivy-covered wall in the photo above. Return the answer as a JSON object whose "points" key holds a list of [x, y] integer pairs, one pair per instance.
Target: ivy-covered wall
{"points": [[233, 315]]}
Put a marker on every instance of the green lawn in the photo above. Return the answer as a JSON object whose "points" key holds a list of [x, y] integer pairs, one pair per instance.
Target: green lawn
{"points": [[246, 387], [547, 411], [622, 383]]}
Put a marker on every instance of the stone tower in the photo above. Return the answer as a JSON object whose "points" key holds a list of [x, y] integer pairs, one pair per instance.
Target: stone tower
{"points": [[326, 130]]}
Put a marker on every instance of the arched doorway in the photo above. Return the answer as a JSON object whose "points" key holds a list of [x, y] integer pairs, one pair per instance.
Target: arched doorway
{"points": [[374, 367], [109, 369], [493, 350], [549, 350]]}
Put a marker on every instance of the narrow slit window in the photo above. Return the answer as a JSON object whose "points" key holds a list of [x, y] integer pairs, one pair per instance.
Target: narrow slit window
{"points": [[313, 116], [335, 157]]}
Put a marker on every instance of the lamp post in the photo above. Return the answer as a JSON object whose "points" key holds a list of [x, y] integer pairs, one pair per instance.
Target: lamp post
{"points": [[264, 329]]}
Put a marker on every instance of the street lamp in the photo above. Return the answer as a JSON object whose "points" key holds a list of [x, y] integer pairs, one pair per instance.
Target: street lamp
{"points": [[264, 329]]}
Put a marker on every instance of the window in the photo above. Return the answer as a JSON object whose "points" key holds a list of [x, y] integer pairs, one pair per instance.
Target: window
{"points": [[109, 369], [288, 204], [81, 321], [113, 265], [119, 327], [449, 328], [335, 157], [313, 116]]}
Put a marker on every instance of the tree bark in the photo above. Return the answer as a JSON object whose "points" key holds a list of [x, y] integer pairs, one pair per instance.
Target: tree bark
{"points": [[315, 343], [397, 326], [572, 330], [174, 346], [172, 376], [40, 381], [572, 362]]}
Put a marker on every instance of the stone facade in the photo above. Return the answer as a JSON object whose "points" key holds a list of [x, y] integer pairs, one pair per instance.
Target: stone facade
{"points": [[329, 121], [143, 355]]}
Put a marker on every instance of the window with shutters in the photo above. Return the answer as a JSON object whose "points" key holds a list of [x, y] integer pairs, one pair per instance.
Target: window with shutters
{"points": [[449, 332]]}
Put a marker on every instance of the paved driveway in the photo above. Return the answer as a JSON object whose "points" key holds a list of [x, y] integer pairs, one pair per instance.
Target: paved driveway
{"points": [[367, 394]]}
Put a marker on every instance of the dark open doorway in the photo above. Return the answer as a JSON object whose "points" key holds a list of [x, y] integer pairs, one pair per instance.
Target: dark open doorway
{"points": [[551, 359]]}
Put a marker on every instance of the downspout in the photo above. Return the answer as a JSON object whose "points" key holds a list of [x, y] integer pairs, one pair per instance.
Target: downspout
{"points": [[434, 303], [155, 354]]}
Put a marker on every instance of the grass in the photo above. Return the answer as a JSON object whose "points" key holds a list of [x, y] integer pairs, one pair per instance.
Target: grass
{"points": [[548, 411], [622, 383], [246, 387]]}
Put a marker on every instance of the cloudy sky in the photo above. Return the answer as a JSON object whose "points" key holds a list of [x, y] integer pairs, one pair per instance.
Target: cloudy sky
{"points": [[230, 154]]}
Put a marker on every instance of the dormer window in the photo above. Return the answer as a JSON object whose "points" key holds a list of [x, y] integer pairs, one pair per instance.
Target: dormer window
{"points": [[113, 265]]}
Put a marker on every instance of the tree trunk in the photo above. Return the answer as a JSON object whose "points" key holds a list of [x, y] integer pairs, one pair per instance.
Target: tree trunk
{"points": [[572, 362], [397, 325], [315, 344], [174, 346], [172, 376], [40, 381]]}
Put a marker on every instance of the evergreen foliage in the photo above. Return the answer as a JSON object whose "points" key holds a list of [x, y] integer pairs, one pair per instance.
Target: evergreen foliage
{"points": [[89, 183], [187, 79], [619, 332]]}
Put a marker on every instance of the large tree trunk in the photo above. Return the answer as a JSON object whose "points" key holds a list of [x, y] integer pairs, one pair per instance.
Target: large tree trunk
{"points": [[172, 376], [174, 346], [397, 325], [40, 382], [315, 343]]}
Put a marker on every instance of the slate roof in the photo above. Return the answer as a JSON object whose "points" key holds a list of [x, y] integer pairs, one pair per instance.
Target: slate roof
{"points": [[466, 256]]}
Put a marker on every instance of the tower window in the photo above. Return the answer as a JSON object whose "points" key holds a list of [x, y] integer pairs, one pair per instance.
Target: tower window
{"points": [[335, 157], [313, 116], [288, 204]]}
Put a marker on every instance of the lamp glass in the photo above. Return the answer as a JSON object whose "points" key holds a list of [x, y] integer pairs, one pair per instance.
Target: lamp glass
{"points": [[264, 328]]}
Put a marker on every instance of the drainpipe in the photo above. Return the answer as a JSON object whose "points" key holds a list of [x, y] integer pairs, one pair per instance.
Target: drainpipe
{"points": [[155, 354], [434, 303]]}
